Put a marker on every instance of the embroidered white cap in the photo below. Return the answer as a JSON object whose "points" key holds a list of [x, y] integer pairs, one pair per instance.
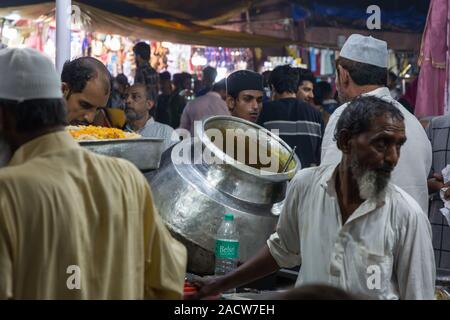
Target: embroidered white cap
{"points": [[27, 74], [365, 49]]}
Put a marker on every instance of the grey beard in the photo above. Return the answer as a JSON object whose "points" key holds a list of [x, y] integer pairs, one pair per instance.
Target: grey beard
{"points": [[5, 153], [371, 185], [132, 115]]}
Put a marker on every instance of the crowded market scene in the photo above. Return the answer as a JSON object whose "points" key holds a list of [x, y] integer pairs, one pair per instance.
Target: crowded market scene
{"points": [[239, 150]]}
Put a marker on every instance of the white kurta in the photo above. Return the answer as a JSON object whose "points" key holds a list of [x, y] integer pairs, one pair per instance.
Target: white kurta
{"points": [[383, 250], [411, 172]]}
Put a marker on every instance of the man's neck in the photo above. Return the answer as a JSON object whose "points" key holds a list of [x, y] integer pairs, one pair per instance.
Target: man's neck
{"points": [[347, 191], [359, 90], [141, 62], [139, 123], [285, 95], [21, 139]]}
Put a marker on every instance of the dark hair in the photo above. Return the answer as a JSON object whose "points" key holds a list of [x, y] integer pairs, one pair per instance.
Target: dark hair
{"points": [[37, 114], [360, 113], [150, 92], [220, 85], [321, 90], [284, 79], [142, 49], [177, 80], [122, 79], [78, 72], [186, 76], [209, 74], [392, 76], [266, 77], [164, 76], [305, 75], [362, 73]]}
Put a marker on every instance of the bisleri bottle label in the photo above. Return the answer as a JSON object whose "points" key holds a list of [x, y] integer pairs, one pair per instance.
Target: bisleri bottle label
{"points": [[227, 249]]}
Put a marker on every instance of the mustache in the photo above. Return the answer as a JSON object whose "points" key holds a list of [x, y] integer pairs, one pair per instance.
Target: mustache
{"points": [[385, 169], [79, 123]]}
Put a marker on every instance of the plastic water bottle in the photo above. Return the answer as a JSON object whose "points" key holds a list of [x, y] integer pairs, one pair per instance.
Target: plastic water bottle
{"points": [[227, 247]]}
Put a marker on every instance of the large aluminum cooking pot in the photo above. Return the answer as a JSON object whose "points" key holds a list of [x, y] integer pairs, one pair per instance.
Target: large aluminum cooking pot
{"points": [[193, 197]]}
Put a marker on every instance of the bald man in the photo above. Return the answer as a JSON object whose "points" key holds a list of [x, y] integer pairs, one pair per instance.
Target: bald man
{"points": [[86, 87], [139, 100]]}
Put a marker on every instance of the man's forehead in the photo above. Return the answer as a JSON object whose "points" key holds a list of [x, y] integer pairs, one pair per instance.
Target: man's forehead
{"points": [[386, 122], [251, 93], [98, 85], [94, 95], [136, 89], [306, 83]]}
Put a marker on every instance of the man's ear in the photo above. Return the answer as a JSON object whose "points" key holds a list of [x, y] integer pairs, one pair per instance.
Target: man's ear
{"points": [[150, 104], [344, 77], [344, 141], [65, 89], [231, 103]]}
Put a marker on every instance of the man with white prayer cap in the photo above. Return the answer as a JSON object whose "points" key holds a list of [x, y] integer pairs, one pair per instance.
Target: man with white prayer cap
{"points": [[73, 224], [362, 70]]}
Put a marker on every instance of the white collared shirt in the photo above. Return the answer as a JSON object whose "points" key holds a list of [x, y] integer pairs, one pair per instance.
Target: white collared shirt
{"points": [[411, 172], [154, 129], [383, 250]]}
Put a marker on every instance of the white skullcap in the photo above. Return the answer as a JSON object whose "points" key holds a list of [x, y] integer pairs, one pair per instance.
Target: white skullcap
{"points": [[365, 50], [27, 74]]}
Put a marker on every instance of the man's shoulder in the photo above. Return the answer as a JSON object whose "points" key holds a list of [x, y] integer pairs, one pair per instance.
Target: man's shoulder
{"points": [[334, 117], [163, 126], [440, 122], [404, 205], [337, 113], [112, 162], [29, 172], [121, 169], [312, 176], [147, 68], [20, 173], [309, 110], [271, 104], [199, 100]]}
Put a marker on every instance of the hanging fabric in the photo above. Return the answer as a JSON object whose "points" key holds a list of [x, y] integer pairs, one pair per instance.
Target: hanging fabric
{"points": [[433, 60]]}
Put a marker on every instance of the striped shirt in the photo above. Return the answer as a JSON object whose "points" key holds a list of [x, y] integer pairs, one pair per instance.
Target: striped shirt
{"points": [[300, 125]]}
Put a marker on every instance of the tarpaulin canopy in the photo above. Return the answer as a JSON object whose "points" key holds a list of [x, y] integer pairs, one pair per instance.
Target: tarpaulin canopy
{"points": [[186, 22], [197, 11], [324, 22], [396, 15]]}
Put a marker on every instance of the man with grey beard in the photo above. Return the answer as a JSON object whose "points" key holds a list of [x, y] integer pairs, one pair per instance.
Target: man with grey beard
{"points": [[361, 69], [139, 101], [346, 224]]}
